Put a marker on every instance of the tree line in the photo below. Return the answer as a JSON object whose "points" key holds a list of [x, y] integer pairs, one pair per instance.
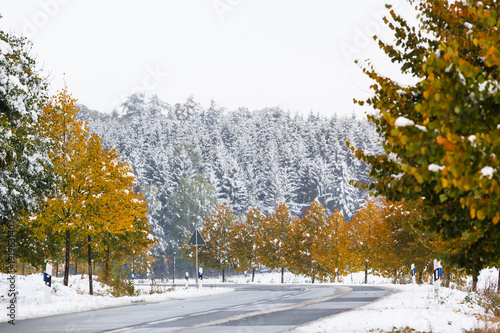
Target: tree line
{"points": [[325, 247]]}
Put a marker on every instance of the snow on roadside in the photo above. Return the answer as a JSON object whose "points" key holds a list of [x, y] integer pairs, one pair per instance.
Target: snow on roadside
{"points": [[411, 306], [75, 298]]}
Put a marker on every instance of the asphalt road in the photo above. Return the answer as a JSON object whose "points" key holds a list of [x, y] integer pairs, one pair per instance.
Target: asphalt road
{"points": [[250, 308]]}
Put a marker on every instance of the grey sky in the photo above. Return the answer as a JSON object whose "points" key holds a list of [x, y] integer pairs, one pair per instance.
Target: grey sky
{"points": [[297, 54]]}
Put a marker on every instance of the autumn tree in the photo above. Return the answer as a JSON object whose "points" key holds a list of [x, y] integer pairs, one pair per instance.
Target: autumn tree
{"points": [[243, 244], [218, 231], [365, 250], [270, 239], [94, 197], [440, 134], [334, 247], [398, 244], [311, 245]]}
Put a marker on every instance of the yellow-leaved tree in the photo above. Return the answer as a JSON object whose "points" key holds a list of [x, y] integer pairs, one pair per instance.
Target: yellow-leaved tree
{"points": [[94, 200], [270, 239], [364, 254], [243, 244], [218, 231], [308, 241], [332, 248]]}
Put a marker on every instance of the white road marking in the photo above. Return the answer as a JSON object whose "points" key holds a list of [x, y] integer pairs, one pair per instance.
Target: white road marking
{"points": [[119, 330], [202, 313], [164, 320]]}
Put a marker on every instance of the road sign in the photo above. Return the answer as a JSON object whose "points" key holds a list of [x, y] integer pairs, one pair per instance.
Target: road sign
{"points": [[196, 239]]}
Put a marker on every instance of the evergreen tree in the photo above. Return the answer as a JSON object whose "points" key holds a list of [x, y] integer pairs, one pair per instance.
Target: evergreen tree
{"points": [[24, 177], [192, 202]]}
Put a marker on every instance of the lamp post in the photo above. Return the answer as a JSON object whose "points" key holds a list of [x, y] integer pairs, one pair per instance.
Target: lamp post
{"points": [[173, 278]]}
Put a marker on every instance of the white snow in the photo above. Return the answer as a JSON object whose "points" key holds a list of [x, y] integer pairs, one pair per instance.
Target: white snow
{"points": [[487, 172], [411, 306], [434, 167], [403, 122], [492, 87], [5, 47], [422, 128]]}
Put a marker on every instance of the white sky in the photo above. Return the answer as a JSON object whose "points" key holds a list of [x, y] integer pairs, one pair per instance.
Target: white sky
{"points": [[296, 54]]}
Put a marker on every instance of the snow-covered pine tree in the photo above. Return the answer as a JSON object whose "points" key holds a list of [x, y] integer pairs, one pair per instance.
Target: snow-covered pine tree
{"points": [[24, 179]]}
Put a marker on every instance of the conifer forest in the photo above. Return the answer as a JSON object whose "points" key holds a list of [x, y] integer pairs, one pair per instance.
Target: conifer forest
{"points": [[187, 158]]}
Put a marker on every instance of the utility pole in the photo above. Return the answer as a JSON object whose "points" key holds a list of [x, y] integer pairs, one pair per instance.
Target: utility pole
{"points": [[173, 278]]}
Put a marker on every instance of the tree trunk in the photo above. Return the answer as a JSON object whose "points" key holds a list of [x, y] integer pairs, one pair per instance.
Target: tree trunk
{"points": [[312, 280], [91, 290], [66, 259], [366, 274], [282, 275], [76, 266], [22, 273], [253, 274], [223, 276], [498, 282], [420, 276], [474, 281], [106, 267], [57, 269], [447, 278]]}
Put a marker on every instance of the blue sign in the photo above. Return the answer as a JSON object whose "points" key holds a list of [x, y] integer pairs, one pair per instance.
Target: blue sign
{"points": [[48, 279]]}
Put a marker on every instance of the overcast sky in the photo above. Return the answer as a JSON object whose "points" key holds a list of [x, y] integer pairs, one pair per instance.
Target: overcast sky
{"points": [[296, 54]]}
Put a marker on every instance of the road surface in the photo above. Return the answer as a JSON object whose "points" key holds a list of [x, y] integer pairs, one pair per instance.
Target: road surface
{"points": [[250, 308]]}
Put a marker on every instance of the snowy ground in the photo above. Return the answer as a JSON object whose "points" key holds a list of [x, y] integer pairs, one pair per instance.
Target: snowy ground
{"points": [[411, 306], [75, 298]]}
